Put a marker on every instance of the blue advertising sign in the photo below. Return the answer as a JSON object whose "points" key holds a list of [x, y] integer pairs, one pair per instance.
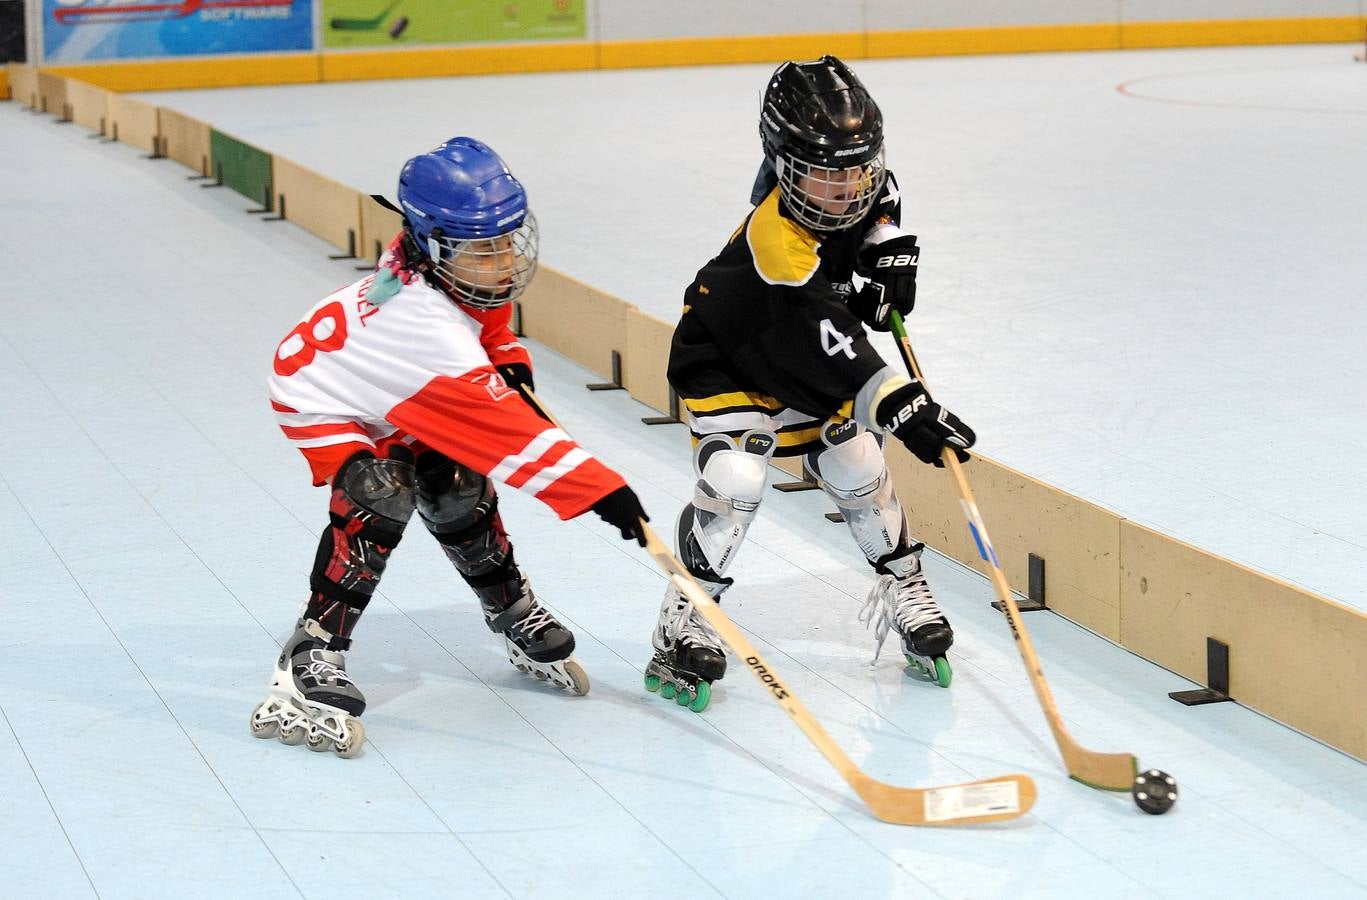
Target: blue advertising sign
{"points": [[76, 30]]}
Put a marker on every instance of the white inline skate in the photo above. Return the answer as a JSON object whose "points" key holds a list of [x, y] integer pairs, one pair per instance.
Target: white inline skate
{"points": [[312, 700]]}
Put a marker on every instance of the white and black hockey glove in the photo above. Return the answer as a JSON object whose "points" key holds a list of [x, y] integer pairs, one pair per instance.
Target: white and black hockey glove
{"points": [[922, 425], [622, 510], [890, 268]]}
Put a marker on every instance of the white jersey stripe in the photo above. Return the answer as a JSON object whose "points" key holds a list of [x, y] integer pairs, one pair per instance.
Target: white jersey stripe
{"points": [[534, 450], [566, 464]]}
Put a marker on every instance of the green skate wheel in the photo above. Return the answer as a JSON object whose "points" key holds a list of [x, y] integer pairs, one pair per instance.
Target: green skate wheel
{"points": [[703, 697], [668, 690], [943, 674], [684, 698], [652, 683]]}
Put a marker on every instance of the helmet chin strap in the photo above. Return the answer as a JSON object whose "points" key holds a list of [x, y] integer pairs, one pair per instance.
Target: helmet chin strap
{"points": [[414, 260]]}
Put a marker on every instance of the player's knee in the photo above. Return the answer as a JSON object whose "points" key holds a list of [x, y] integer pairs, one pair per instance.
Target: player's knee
{"points": [[851, 470], [731, 481], [374, 498], [451, 498]]}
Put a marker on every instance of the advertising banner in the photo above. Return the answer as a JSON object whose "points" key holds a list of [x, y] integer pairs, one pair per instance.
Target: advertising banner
{"points": [[77, 30], [388, 23]]}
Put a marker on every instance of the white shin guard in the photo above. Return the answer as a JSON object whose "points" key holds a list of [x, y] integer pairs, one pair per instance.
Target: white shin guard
{"points": [[726, 498], [853, 473]]}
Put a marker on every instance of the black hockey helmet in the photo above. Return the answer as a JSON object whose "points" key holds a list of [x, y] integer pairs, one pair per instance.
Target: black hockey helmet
{"points": [[823, 134]]}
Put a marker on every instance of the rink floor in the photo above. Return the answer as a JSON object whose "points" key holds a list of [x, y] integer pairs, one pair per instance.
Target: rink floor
{"points": [[159, 532]]}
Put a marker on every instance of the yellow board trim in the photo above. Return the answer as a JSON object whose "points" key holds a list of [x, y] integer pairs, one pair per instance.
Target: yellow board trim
{"points": [[1222, 32], [4, 83], [566, 56], [1012, 39]]}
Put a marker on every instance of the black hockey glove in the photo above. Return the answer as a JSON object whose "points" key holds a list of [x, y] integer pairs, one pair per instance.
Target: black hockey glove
{"points": [[890, 268], [518, 376], [923, 425], [622, 511]]}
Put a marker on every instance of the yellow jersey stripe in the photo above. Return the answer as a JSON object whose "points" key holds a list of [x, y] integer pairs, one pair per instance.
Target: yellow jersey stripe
{"points": [[746, 399]]}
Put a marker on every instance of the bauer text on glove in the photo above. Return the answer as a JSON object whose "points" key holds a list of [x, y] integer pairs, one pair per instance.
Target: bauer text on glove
{"points": [[890, 268], [923, 425]]}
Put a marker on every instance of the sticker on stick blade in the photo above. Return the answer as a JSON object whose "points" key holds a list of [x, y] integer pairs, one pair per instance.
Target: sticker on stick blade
{"points": [[968, 800], [979, 530]]}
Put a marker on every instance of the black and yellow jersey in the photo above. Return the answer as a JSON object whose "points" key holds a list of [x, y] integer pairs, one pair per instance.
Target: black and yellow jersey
{"points": [[765, 326]]}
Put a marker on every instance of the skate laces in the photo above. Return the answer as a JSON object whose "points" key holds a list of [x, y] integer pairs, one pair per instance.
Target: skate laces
{"points": [[687, 625], [537, 619], [905, 604], [325, 667]]}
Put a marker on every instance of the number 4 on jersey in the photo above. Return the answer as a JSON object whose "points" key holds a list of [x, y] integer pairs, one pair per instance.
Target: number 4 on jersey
{"points": [[834, 341]]}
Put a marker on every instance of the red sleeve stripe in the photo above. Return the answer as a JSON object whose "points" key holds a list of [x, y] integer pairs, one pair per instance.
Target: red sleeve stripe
{"points": [[328, 440], [282, 408], [312, 431]]}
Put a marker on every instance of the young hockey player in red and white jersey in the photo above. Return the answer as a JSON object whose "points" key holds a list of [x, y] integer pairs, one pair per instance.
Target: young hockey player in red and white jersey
{"points": [[403, 391], [770, 358]]}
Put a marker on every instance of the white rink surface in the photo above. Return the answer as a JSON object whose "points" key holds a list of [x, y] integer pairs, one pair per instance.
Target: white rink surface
{"points": [[1157, 304], [159, 533]]}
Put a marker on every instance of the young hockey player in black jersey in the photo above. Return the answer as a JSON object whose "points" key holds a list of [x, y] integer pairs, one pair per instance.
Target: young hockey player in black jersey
{"points": [[770, 358]]}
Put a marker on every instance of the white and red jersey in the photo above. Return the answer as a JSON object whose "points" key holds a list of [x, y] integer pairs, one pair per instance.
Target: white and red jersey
{"points": [[420, 367]]}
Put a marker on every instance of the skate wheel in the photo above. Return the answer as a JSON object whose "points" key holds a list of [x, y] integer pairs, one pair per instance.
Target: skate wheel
{"points": [[579, 679], [668, 690], [318, 741], [943, 674], [293, 736], [263, 728], [684, 697], [351, 745], [653, 683], [703, 697]]}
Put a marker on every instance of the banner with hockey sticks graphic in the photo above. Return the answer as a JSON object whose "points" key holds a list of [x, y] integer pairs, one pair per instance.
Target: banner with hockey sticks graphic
{"points": [[387, 23], [77, 30]]}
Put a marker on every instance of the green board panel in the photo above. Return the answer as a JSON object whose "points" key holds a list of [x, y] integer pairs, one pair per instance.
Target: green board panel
{"points": [[242, 167], [392, 23]]}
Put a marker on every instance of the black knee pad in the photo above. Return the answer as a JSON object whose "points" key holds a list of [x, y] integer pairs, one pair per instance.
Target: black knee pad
{"points": [[460, 507], [374, 497], [450, 497], [372, 501]]}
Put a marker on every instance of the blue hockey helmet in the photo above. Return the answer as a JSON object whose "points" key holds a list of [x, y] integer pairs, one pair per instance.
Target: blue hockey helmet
{"points": [[469, 216]]}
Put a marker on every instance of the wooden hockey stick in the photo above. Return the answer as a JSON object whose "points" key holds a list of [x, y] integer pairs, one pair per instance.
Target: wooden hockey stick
{"points": [[1108, 771], [988, 800]]}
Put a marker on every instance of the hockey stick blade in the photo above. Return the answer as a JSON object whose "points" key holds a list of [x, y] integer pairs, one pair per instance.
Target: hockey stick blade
{"points": [[988, 800], [1107, 771]]}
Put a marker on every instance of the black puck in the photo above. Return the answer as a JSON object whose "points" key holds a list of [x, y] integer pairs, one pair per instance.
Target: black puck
{"points": [[1154, 791]]}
